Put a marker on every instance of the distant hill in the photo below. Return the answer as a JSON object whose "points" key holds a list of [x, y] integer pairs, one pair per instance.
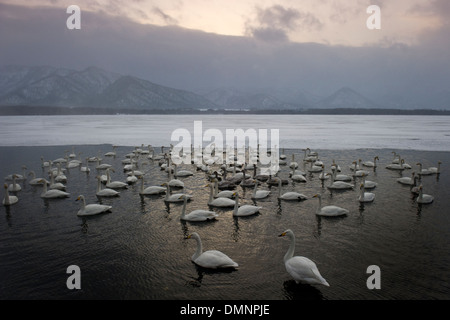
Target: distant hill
{"points": [[89, 88]]}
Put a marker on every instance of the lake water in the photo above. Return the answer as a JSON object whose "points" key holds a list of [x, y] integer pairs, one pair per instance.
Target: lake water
{"points": [[295, 131], [139, 250]]}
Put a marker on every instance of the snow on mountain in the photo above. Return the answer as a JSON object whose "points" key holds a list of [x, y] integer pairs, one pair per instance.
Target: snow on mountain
{"points": [[345, 98], [91, 87]]}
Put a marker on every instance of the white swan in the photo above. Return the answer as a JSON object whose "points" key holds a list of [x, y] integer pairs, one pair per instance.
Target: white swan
{"points": [[196, 215], [297, 177], [9, 200], [182, 173], [368, 184], [107, 192], [339, 185], [423, 172], [150, 190], [313, 168], [52, 194], [396, 166], [290, 195], [293, 164], [435, 169], [340, 177], [114, 184], [301, 268], [259, 194], [211, 259], [244, 210], [132, 178], [175, 183], [371, 164], [55, 185], [14, 186], [407, 180], [424, 198], [91, 209], [365, 196], [174, 197], [329, 211], [221, 194], [86, 169], [218, 202], [35, 181]]}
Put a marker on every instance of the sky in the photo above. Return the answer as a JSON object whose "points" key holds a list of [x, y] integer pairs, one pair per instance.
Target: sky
{"points": [[316, 45]]}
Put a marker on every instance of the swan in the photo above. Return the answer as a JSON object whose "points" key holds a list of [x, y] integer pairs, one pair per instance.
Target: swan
{"points": [[44, 163], [371, 164], [290, 195], [259, 194], [211, 259], [55, 185], [244, 210], [35, 181], [86, 168], [114, 184], [424, 198], [368, 184], [54, 193], [111, 153], [340, 177], [329, 211], [175, 183], [132, 178], [9, 200], [407, 180], [365, 196], [182, 173], [102, 166], [174, 197], [323, 175], [423, 172], [396, 166], [339, 185], [196, 215], [150, 190], [293, 164], [314, 168], [360, 173], [414, 188], [355, 165], [335, 166], [297, 177], [435, 169], [221, 194], [60, 177], [14, 187], [105, 192], [218, 202], [91, 209], [302, 269]]}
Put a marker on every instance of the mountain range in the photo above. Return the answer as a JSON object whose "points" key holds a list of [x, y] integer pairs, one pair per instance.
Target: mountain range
{"points": [[44, 86]]}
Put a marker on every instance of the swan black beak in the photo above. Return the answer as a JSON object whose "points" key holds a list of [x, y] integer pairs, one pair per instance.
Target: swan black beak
{"points": [[282, 235]]}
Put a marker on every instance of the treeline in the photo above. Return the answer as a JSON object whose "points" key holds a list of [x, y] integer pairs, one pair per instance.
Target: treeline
{"points": [[45, 110]]}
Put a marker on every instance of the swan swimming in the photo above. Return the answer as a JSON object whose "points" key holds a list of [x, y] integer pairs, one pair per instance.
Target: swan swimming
{"points": [[106, 192], [244, 210], [9, 200], [150, 190], [218, 202], [91, 209], [329, 211], [290, 195], [196, 215], [259, 194], [211, 259], [424, 198], [52, 194], [302, 269], [365, 196]]}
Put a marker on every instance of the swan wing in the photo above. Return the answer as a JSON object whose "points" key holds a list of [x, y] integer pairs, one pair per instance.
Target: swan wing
{"points": [[332, 211], [215, 259], [247, 210], [200, 215], [304, 270]]}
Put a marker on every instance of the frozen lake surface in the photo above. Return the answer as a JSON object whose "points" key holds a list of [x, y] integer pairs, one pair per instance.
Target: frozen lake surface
{"points": [[333, 132]]}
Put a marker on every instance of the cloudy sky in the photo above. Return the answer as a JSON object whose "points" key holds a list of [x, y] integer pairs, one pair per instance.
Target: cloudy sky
{"points": [[317, 45]]}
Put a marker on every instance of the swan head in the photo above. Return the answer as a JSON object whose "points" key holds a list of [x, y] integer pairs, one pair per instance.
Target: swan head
{"points": [[5, 186], [317, 195], [79, 198], [41, 181], [287, 232], [193, 235]]}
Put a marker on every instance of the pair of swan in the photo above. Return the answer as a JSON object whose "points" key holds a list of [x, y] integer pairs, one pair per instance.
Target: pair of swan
{"points": [[302, 269], [106, 192], [53, 193], [221, 202], [339, 185], [429, 171], [9, 200], [91, 209]]}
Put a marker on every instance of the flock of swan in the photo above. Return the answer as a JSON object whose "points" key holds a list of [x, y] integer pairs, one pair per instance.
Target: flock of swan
{"points": [[223, 192]]}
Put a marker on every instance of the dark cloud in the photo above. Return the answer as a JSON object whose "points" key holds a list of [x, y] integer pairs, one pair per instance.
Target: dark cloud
{"points": [[188, 59], [275, 22], [165, 17]]}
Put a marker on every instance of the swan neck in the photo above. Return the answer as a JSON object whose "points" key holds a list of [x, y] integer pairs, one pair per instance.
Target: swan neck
{"points": [[236, 205], [183, 211], [290, 253], [7, 197], [210, 194], [320, 204], [199, 250]]}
